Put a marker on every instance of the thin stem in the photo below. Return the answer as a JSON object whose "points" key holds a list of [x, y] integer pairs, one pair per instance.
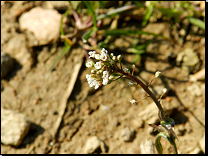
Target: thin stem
{"points": [[134, 78]]}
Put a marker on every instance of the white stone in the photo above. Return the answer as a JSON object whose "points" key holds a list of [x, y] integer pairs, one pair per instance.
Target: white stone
{"points": [[43, 25], [14, 127], [91, 145]]}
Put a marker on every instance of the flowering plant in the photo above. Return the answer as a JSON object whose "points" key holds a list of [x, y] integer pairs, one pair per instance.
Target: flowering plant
{"points": [[101, 74]]}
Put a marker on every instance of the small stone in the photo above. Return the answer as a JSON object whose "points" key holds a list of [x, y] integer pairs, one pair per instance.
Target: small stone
{"points": [[92, 145], [127, 134], [195, 89], [147, 147], [104, 108], [137, 123], [14, 127], [42, 26]]}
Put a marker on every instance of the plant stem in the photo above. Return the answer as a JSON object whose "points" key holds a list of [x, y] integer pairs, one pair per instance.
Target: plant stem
{"points": [[135, 79]]}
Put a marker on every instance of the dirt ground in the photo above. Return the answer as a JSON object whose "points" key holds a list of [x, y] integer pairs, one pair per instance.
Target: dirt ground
{"points": [[106, 111]]}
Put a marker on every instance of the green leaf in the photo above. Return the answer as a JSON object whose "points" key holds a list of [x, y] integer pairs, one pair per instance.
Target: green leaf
{"points": [[140, 5], [61, 26], [147, 15], [157, 141], [118, 32], [91, 10], [197, 22]]}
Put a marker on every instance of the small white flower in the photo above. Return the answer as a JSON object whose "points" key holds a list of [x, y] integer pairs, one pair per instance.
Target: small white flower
{"points": [[104, 56], [98, 65], [98, 84], [105, 81], [93, 71], [106, 74], [97, 56], [104, 51], [157, 73], [89, 64], [92, 54], [88, 76]]}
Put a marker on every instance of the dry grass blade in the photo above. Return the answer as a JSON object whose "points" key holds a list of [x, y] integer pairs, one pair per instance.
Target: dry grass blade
{"points": [[67, 94]]}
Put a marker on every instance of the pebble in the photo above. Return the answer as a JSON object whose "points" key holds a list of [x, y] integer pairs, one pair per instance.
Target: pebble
{"points": [[14, 127], [195, 89], [147, 147], [42, 26], [127, 134], [137, 123], [6, 64], [93, 144]]}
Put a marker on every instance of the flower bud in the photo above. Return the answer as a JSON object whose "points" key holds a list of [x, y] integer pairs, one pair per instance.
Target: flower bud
{"points": [[164, 90], [157, 73], [111, 55], [119, 57], [114, 58]]}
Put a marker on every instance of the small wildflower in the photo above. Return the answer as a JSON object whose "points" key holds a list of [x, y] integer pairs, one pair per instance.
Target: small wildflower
{"points": [[98, 65], [157, 73], [98, 84], [106, 74], [104, 56], [104, 51], [91, 54], [88, 76], [97, 56], [93, 71], [105, 81], [89, 64]]}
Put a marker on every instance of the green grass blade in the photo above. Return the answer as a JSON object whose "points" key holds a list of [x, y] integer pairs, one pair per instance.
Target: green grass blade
{"points": [[197, 22], [88, 34], [140, 5], [61, 26], [66, 49], [118, 32], [115, 11], [147, 15], [89, 7]]}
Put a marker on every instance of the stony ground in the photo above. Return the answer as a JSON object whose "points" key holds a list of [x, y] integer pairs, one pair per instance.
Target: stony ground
{"points": [[103, 120]]}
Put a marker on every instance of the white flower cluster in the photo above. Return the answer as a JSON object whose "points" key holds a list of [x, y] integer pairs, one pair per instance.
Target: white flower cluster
{"points": [[101, 73]]}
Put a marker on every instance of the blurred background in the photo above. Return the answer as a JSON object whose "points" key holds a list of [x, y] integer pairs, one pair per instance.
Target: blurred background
{"points": [[47, 105]]}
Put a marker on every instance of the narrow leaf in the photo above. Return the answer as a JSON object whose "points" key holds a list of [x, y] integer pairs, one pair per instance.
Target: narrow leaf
{"points": [[89, 7], [197, 22], [147, 15]]}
